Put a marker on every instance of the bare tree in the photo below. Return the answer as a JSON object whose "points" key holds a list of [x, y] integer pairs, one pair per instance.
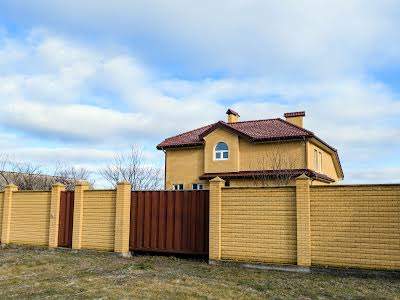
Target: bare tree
{"points": [[4, 163], [28, 176], [132, 167], [70, 175], [274, 168]]}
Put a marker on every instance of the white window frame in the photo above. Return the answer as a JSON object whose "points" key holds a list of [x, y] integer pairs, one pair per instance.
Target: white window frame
{"points": [[177, 187], [315, 160], [199, 186], [320, 162], [221, 152]]}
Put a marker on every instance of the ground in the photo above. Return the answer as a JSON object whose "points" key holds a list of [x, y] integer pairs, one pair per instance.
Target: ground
{"points": [[37, 274]]}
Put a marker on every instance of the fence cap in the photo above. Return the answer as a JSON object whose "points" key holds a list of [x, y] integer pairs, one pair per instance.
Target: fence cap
{"points": [[217, 179], [12, 186], [82, 182], [303, 177], [125, 182], [58, 184]]}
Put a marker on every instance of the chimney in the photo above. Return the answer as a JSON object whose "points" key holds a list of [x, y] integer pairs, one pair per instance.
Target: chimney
{"points": [[233, 116], [296, 118]]}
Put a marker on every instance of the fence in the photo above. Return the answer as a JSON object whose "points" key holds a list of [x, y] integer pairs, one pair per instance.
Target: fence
{"points": [[326, 226], [44, 218], [158, 221], [329, 226], [169, 221]]}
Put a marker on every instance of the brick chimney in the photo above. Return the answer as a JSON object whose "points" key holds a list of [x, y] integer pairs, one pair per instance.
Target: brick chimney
{"points": [[295, 118], [233, 116]]}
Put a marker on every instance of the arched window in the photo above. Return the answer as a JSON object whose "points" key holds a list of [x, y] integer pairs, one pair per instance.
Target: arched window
{"points": [[221, 151]]}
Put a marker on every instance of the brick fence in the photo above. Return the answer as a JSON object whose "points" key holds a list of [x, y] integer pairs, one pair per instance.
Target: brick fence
{"points": [[101, 217], [355, 226]]}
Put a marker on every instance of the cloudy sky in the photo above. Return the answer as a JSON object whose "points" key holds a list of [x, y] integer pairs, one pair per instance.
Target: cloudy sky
{"points": [[80, 80]]}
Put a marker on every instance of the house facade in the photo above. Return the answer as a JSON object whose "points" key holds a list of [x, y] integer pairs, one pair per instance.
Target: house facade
{"points": [[250, 153]]}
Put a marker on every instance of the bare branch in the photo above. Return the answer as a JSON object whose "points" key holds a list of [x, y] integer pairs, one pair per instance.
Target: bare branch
{"points": [[70, 175], [279, 163], [28, 176], [132, 167]]}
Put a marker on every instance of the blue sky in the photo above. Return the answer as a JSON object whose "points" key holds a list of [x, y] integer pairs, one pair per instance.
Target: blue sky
{"points": [[79, 81]]}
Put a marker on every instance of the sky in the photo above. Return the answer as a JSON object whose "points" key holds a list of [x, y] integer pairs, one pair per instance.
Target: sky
{"points": [[81, 80]]}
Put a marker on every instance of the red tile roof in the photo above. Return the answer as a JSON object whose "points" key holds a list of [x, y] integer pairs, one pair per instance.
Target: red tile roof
{"points": [[254, 131], [291, 174]]}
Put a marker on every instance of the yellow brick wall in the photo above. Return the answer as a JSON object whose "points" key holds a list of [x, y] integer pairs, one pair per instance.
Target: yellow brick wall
{"points": [[30, 216], [98, 220], [272, 156], [356, 226], [298, 121], [184, 166], [215, 166], [1, 211], [259, 224], [328, 167]]}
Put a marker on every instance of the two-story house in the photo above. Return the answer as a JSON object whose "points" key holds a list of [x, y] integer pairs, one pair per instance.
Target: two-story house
{"points": [[249, 153]]}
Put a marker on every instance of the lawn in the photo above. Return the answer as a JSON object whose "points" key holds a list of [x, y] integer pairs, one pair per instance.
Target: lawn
{"points": [[38, 274]]}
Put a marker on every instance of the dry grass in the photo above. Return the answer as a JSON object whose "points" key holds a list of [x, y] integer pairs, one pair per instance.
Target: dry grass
{"points": [[40, 274]]}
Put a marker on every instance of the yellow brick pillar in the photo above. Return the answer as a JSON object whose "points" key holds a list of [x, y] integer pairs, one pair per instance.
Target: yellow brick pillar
{"points": [[56, 190], [303, 220], [122, 218], [7, 206], [80, 189], [215, 218]]}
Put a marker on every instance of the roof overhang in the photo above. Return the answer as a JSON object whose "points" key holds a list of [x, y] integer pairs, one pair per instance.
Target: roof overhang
{"points": [[272, 174], [179, 146]]}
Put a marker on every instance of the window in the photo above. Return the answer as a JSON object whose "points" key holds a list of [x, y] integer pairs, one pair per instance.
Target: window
{"points": [[320, 162], [197, 186], [221, 151], [227, 183], [177, 187], [315, 160]]}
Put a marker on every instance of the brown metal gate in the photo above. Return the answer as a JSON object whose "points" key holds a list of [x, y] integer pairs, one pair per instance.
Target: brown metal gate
{"points": [[66, 219], [169, 221]]}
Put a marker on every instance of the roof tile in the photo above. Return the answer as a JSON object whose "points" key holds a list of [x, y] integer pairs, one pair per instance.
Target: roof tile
{"points": [[258, 130]]}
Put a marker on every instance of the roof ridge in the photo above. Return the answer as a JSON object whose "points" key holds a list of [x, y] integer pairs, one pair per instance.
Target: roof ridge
{"points": [[251, 121], [189, 131]]}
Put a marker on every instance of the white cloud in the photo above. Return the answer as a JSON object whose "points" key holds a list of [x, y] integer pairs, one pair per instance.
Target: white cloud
{"points": [[377, 175], [308, 38], [75, 154], [63, 99]]}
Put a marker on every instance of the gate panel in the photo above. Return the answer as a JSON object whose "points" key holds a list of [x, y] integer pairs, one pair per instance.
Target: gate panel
{"points": [[66, 219], [169, 221]]}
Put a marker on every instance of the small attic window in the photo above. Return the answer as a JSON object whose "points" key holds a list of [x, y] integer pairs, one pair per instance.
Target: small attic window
{"points": [[221, 151]]}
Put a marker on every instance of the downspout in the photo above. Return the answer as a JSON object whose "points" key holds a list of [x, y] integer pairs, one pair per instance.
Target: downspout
{"points": [[306, 156], [305, 153]]}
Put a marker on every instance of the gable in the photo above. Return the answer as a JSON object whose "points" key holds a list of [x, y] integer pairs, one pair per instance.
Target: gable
{"points": [[211, 140], [331, 163]]}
